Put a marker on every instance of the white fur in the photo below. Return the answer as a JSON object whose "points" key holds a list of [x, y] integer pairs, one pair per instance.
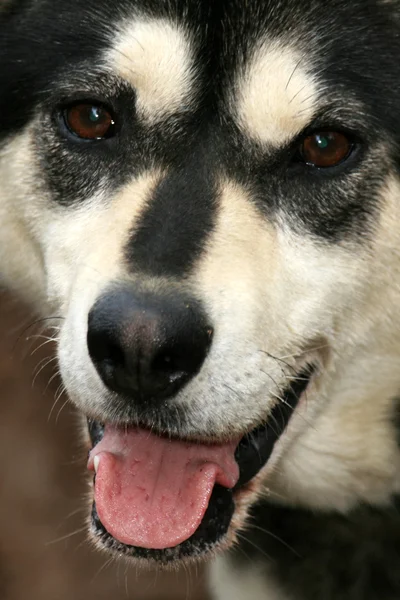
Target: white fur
{"points": [[63, 259], [269, 291], [156, 58], [21, 221], [275, 94], [250, 581]]}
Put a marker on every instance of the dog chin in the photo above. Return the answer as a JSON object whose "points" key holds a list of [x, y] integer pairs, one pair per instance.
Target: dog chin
{"points": [[163, 499]]}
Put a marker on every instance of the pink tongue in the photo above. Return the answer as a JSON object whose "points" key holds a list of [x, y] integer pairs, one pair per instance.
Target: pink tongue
{"points": [[152, 492]]}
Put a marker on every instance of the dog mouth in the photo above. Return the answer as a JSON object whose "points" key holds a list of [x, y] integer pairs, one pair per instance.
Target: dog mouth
{"points": [[164, 499]]}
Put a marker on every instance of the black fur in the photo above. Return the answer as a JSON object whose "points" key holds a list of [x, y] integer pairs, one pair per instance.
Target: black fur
{"points": [[50, 53], [174, 228], [353, 47], [316, 556]]}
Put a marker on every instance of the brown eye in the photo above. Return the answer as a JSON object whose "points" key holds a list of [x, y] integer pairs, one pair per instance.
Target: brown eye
{"points": [[89, 121], [325, 149]]}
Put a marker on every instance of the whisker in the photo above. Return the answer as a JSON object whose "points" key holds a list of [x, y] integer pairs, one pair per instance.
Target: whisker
{"points": [[58, 395], [237, 546], [107, 563], [293, 379], [40, 337], [67, 536], [248, 541], [281, 398], [126, 581], [279, 359], [297, 94], [283, 401], [53, 328], [273, 419], [37, 322], [46, 364], [275, 537], [188, 582], [43, 361], [228, 387], [299, 355], [48, 341], [267, 494], [291, 77], [51, 379], [62, 408], [77, 511]]}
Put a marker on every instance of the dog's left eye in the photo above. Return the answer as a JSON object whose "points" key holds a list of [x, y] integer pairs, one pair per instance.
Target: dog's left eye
{"points": [[89, 121], [325, 149]]}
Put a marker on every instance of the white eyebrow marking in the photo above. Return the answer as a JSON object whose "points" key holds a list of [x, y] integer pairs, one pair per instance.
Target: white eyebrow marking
{"points": [[275, 94], [157, 58]]}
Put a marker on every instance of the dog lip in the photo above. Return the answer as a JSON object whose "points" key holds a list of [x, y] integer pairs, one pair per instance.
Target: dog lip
{"points": [[256, 447], [252, 453], [96, 431]]}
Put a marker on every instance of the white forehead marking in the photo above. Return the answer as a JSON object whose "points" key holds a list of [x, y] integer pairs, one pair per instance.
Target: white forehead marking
{"points": [[156, 58], [275, 96]]}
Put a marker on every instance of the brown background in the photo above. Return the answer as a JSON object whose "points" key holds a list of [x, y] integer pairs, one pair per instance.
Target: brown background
{"points": [[44, 554]]}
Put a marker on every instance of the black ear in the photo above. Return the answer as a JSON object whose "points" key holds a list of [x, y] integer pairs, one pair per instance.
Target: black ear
{"points": [[5, 5], [8, 8]]}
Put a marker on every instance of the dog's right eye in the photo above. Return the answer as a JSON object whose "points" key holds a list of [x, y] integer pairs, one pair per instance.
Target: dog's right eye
{"points": [[325, 149], [89, 121]]}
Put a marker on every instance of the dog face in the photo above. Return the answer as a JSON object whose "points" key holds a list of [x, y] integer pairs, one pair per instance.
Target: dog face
{"points": [[207, 195]]}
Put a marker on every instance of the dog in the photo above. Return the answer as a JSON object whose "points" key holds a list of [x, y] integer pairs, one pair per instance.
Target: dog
{"points": [[204, 198]]}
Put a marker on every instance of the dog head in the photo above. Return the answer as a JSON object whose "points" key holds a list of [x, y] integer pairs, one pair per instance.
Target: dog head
{"points": [[207, 194]]}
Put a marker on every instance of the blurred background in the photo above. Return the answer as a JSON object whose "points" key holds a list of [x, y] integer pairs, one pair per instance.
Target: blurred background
{"points": [[44, 554]]}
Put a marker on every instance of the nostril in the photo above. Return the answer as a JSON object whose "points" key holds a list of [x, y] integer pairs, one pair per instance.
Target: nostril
{"points": [[114, 355], [163, 362], [103, 349], [181, 357]]}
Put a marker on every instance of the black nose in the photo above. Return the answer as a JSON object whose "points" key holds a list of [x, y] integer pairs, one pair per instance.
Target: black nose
{"points": [[145, 345]]}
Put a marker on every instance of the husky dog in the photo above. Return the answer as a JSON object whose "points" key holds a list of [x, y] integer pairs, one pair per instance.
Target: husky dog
{"points": [[206, 194]]}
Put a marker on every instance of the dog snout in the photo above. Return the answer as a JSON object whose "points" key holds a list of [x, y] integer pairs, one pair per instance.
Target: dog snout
{"points": [[147, 346]]}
